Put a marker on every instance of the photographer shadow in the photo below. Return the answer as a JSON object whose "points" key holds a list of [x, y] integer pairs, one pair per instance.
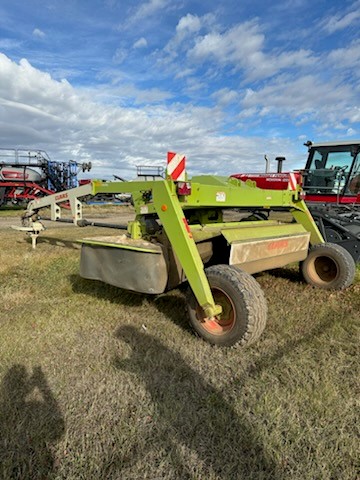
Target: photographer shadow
{"points": [[30, 424], [172, 304], [190, 413]]}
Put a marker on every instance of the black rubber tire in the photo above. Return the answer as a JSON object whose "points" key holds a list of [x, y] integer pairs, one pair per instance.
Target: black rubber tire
{"points": [[328, 266], [244, 308]]}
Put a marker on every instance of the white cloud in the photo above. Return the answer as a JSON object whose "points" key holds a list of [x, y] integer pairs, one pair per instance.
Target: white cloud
{"points": [[189, 23], [350, 132], [230, 47], [260, 65], [347, 57], [38, 33], [199, 42], [185, 33], [9, 44], [226, 96], [304, 98], [54, 116], [243, 48], [125, 93], [141, 43], [25, 108], [341, 21], [194, 85], [147, 9], [120, 55], [184, 72]]}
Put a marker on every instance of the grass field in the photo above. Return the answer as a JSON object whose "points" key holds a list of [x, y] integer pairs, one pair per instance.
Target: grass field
{"points": [[100, 383]]}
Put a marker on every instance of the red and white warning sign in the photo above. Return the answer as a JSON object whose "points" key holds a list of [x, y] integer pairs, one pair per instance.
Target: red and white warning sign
{"points": [[176, 166], [292, 181]]}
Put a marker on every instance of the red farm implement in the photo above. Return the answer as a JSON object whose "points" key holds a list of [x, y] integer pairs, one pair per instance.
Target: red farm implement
{"points": [[331, 186], [27, 174]]}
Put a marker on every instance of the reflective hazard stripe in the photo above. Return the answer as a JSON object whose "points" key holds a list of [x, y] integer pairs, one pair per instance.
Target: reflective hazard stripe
{"points": [[292, 181], [176, 166]]}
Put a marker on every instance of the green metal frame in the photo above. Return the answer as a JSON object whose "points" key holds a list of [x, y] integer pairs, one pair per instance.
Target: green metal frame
{"points": [[208, 193]]}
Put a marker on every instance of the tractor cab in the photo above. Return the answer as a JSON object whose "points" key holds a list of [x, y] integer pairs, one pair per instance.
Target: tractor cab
{"points": [[333, 171]]}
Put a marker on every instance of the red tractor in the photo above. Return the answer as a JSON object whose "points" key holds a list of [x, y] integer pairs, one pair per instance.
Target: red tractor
{"points": [[331, 183]]}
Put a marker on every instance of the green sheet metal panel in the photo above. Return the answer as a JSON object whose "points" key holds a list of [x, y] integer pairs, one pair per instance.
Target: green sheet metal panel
{"points": [[134, 265], [257, 230]]}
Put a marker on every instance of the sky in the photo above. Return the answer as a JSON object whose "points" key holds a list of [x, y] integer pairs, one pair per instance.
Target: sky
{"points": [[122, 82]]}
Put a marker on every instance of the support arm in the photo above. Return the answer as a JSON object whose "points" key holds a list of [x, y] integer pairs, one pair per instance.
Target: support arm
{"points": [[302, 215], [176, 228]]}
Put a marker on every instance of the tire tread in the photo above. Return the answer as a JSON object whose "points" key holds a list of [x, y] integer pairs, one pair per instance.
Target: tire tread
{"points": [[343, 258], [252, 299]]}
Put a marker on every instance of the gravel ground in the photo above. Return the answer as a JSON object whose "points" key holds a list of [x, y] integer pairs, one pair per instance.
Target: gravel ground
{"points": [[119, 218]]}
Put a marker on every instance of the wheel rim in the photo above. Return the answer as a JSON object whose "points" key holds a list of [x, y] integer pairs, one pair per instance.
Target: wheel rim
{"points": [[325, 269], [332, 235], [223, 323]]}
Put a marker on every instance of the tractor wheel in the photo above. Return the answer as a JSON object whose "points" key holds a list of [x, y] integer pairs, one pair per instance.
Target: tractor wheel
{"points": [[328, 266], [244, 309]]}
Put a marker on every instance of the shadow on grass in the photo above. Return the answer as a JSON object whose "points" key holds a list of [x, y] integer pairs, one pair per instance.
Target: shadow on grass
{"points": [[269, 360], [103, 291], [171, 304], [190, 414], [290, 274], [30, 422]]}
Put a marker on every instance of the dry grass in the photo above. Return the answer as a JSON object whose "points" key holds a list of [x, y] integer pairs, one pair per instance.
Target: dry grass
{"points": [[99, 383], [11, 212], [88, 210]]}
